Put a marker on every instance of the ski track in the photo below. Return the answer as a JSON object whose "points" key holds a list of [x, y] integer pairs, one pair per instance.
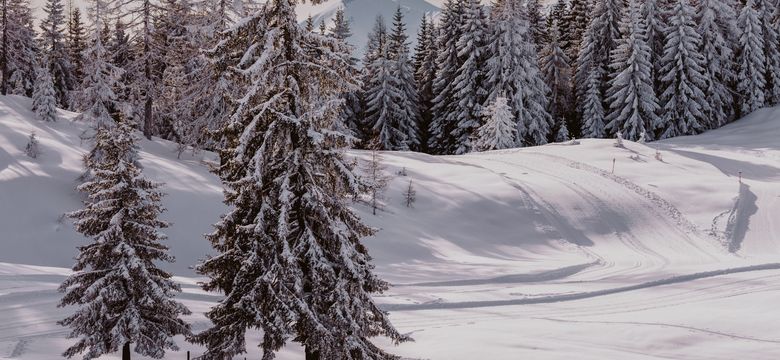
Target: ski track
{"points": [[580, 295]]}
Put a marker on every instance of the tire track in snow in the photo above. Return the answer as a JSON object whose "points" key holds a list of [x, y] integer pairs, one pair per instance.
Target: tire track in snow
{"points": [[580, 295]]}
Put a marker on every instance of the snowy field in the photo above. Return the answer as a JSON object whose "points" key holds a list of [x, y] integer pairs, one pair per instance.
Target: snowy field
{"points": [[537, 253]]}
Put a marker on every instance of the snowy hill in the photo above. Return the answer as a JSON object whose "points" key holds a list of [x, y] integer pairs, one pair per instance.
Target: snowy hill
{"points": [[540, 253]]}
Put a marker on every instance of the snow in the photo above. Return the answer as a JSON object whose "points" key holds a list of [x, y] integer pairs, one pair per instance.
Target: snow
{"points": [[541, 252]]}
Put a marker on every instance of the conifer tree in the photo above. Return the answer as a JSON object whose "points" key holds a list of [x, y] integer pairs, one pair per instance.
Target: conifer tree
{"points": [[499, 130], [765, 10], [122, 294], [536, 24], [654, 17], [631, 96], [751, 77], [289, 255], [76, 44], [352, 110], [682, 74], [716, 21], [19, 49], [54, 49], [469, 92], [407, 113], [557, 75], [425, 74], [599, 39], [44, 97], [443, 123]]}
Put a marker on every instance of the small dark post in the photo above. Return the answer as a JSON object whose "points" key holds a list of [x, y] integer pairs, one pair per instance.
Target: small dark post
{"points": [[126, 351], [188, 355]]}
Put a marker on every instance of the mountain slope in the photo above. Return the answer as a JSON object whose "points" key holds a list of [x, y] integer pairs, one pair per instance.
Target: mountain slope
{"points": [[543, 252]]}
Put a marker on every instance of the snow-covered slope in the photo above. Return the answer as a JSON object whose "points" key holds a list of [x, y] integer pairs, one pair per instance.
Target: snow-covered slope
{"points": [[542, 253]]}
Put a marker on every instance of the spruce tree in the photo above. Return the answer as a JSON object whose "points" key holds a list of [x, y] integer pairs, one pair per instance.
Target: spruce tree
{"points": [[19, 49], [469, 93], [443, 123], [122, 294], [536, 24], [425, 75], [682, 74], [751, 77], [54, 49], [352, 110], [557, 75], [499, 130], [593, 109], [407, 112], [631, 96], [76, 44], [289, 260], [765, 10], [716, 21], [44, 97], [655, 22]]}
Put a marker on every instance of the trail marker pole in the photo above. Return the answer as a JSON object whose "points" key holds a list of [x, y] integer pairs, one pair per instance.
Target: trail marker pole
{"points": [[740, 177], [613, 165]]}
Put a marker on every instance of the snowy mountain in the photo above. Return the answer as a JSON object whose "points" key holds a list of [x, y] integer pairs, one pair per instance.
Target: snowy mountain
{"points": [[578, 250]]}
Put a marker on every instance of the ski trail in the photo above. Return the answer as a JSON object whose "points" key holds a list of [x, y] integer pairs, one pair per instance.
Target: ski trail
{"points": [[550, 275], [580, 295]]}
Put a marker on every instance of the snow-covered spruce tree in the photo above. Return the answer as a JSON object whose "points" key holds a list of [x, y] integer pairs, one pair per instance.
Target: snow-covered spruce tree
{"points": [[599, 39], [765, 10], [443, 123], [20, 54], [97, 97], [123, 296], [631, 97], [499, 130], [76, 44], [146, 78], [751, 62], [682, 74], [655, 22], [408, 114], [352, 110], [425, 74], [593, 108], [716, 21], [54, 49], [557, 75], [468, 84], [289, 260], [536, 24], [383, 102], [44, 102]]}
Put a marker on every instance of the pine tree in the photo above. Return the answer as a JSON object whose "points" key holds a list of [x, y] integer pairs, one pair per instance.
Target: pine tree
{"points": [[557, 75], [123, 296], [468, 81], [499, 130], [290, 261], [716, 20], [44, 97], [76, 44], [352, 110], [751, 77], [682, 73], [54, 49], [443, 123], [631, 96]]}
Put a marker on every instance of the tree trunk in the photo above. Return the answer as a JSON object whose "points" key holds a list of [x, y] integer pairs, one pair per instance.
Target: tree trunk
{"points": [[126, 351], [148, 118], [312, 354]]}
